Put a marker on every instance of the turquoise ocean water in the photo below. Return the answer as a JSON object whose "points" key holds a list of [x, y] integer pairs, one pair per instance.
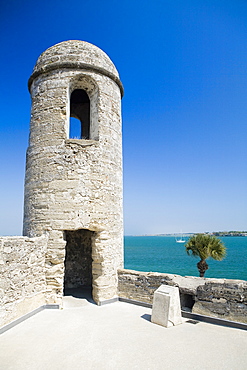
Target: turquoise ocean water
{"points": [[163, 254]]}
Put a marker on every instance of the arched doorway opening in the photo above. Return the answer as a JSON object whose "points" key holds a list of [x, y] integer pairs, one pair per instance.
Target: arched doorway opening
{"points": [[78, 263]]}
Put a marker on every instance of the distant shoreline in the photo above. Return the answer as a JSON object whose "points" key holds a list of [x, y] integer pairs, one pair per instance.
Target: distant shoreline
{"points": [[217, 233]]}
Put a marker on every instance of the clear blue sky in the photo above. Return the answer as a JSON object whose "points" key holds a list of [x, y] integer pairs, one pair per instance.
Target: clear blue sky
{"points": [[183, 65]]}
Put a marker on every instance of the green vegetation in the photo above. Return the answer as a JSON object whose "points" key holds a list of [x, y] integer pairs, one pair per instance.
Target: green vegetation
{"points": [[205, 246], [230, 233]]}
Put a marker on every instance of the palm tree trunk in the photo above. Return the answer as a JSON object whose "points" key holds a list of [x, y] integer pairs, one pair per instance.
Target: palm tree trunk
{"points": [[202, 267]]}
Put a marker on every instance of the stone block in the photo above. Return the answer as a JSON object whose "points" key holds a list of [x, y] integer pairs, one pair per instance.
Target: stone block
{"points": [[166, 306]]}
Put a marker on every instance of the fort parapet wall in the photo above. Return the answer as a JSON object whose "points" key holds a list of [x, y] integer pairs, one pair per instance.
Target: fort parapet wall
{"points": [[221, 298], [23, 270], [22, 276]]}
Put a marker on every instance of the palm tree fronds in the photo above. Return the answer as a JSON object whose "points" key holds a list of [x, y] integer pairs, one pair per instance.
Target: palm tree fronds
{"points": [[205, 246]]}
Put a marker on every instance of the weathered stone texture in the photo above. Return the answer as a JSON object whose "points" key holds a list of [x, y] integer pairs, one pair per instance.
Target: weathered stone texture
{"points": [[222, 298], [226, 300], [140, 286], [78, 261], [74, 184], [71, 52], [166, 310], [22, 276]]}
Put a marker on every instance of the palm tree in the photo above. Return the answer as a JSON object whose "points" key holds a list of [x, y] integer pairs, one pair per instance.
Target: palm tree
{"points": [[205, 246]]}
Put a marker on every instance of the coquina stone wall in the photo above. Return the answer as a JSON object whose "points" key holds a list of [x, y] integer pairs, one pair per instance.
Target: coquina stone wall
{"points": [[22, 276], [71, 183], [78, 260], [222, 298]]}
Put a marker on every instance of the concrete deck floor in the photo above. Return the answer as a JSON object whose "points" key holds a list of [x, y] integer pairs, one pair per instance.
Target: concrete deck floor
{"points": [[117, 336]]}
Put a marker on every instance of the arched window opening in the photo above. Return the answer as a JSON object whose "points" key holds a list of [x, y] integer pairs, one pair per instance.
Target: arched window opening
{"points": [[79, 115]]}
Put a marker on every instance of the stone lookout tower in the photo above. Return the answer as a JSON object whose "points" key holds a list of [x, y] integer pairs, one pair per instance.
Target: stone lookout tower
{"points": [[73, 185]]}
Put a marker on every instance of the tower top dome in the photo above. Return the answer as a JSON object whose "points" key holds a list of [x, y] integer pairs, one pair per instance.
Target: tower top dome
{"points": [[75, 54]]}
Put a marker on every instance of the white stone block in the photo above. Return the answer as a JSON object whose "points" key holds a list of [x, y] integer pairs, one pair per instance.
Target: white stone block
{"points": [[166, 306]]}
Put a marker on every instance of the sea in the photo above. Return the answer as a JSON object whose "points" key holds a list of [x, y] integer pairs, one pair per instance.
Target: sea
{"points": [[164, 254]]}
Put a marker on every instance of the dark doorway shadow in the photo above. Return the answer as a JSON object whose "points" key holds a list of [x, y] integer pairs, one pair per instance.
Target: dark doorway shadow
{"points": [[82, 293], [146, 317]]}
